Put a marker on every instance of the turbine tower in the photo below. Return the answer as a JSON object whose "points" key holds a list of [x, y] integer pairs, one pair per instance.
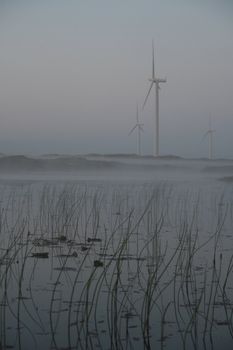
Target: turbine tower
{"points": [[155, 80], [210, 134], [138, 126]]}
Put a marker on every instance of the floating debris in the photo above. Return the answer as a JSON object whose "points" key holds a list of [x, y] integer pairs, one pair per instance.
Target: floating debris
{"points": [[106, 255], [62, 238], [84, 248], [43, 255], [21, 297], [223, 323], [98, 263], [42, 242], [71, 242], [65, 268], [58, 311], [93, 240], [73, 255], [136, 338], [199, 268], [128, 315]]}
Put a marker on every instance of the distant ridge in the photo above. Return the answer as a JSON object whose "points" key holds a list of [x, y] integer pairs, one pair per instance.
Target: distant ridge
{"points": [[113, 155], [94, 162], [23, 163], [132, 155], [227, 179]]}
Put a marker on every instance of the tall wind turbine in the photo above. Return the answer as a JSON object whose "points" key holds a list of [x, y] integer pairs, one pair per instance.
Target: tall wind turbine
{"points": [[138, 126], [210, 134], [155, 80]]}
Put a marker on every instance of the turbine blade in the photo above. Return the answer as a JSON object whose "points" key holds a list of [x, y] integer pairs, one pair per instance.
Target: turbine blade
{"points": [[153, 61], [141, 128], [204, 136], [147, 94], [137, 115], [210, 122], [132, 130]]}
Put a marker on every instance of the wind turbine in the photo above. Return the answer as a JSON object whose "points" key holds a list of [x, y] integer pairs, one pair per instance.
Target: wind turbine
{"points": [[155, 80], [210, 134], [138, 126]]}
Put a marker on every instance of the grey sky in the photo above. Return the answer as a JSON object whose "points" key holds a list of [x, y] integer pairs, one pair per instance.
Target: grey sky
{"points": [[73, 71]]}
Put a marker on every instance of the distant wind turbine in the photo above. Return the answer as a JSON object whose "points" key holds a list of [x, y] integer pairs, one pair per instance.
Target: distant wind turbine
{"points": [[155, 80], [210, 134], [138, 126]]}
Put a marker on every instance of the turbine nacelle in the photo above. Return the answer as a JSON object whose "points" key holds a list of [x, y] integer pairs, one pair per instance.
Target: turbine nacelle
{"points": [[208, 133], [157, 80]]}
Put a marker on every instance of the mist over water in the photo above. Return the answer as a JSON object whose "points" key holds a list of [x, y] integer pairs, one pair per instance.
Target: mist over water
{"points": [[105, 168]]}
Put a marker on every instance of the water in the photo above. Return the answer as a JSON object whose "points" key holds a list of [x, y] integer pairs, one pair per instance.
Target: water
{"points": [[117, 260]]}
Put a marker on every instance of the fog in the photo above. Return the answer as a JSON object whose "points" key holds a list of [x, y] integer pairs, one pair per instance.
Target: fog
{"points": [[197, 173], [73, 72]]}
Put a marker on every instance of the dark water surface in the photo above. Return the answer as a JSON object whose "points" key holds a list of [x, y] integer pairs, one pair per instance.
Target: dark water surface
{"points": [[116, 261]]}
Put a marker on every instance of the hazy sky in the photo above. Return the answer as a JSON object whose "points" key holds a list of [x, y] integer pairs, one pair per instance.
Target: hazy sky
{"points": [[73, 71]]}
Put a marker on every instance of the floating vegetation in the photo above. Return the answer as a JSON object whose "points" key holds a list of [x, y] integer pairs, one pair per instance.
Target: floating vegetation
{"points": [[72, 255], [115, 269], [42, 255], [42, 242], [65, 268], [84, 248], [62, 238], [98, 263], [93, 240]]}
